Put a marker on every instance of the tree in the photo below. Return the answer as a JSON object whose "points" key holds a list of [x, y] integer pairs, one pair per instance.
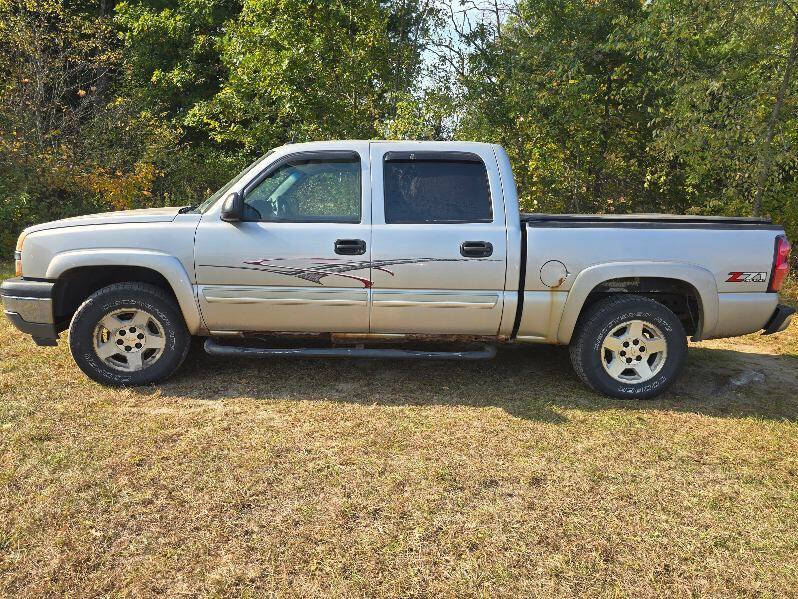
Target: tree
{"points": [[606, 105], [626, 105], [559, 85], [312, 70], [54, 63], [725, 115]]}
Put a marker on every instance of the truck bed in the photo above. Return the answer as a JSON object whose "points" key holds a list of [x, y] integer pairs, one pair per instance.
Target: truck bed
{"points": [[711, 254]]}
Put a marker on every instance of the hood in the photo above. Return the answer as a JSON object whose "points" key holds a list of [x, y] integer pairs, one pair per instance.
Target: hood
{"points": [[145, 215]]}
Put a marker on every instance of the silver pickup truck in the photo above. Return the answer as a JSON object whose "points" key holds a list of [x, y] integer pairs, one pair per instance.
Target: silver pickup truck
{"points": [[361, 245]]}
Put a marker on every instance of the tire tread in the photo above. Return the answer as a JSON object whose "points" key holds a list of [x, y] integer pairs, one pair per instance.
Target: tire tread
{"points": [[593, 318], [133, 289]]}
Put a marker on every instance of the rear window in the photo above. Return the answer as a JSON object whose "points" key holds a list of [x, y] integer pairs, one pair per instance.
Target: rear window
{"points": [[429, 188]]}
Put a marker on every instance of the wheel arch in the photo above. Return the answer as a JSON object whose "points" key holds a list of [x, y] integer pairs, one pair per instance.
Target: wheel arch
{"points": [[646, 278], [80, 273]]}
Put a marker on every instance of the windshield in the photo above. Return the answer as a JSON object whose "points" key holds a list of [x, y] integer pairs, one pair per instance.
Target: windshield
{"points": [[223, 190]]}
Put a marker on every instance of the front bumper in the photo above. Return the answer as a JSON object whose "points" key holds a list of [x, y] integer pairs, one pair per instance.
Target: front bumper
{"points": [[780, 320], [29, 307]]}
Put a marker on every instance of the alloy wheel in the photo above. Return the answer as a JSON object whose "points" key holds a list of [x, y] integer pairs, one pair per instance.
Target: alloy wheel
{"points": [[634, 352], [129, 339]]}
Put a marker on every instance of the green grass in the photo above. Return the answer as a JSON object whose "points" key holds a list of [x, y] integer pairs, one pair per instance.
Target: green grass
{"points": [[353, 478], [6, 270]]}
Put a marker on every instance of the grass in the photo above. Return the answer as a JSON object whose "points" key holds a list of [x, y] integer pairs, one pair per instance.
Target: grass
{"points": [[350, 478]]}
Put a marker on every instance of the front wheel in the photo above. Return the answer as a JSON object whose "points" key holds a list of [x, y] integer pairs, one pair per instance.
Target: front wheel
{"points": [[128, 334], [629, 346]]}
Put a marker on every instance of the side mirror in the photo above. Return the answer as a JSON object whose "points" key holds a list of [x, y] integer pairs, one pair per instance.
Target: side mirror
{"points": [[233, 208]]}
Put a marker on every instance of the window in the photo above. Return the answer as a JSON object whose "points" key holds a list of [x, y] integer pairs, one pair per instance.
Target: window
{"points": [[436, 187], [308, 188]]}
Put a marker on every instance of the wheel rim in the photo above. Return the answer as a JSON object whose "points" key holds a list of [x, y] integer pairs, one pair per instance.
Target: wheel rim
{"points": [[634, 352], [129, 339]]}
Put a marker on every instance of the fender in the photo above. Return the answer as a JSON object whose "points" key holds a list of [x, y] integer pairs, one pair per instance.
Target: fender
{"points": [[700, 278], [169, 266]]}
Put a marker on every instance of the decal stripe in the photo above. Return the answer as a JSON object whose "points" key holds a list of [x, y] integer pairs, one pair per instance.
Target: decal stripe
{"points": [[327, 267], [332, 267]]}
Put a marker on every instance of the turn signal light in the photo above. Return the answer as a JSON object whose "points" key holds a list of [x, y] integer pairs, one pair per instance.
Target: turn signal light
{"points": [[781, 263], [18, 254]]}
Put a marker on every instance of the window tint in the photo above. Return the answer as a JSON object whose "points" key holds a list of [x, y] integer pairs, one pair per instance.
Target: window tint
{"points": [[450, 190], [309, 189]]}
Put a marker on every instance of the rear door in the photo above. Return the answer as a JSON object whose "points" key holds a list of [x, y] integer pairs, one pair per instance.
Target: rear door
{"points": [[439, 242]]}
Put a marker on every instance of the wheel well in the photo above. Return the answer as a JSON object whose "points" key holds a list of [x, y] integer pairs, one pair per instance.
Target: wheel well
{"points": [[678, 296], [75, 285]]}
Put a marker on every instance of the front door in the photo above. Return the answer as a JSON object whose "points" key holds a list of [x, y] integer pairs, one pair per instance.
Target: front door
{"points": [[300, 261], [439, 241]]}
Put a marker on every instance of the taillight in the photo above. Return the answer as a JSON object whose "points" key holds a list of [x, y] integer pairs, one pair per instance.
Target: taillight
{"points": [[781, 263]]}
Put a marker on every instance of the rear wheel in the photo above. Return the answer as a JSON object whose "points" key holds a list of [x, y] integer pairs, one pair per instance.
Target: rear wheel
{"points": [[128, 334], [628, 346]]}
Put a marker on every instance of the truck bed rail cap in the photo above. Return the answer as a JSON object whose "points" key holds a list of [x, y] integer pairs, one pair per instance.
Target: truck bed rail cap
{"points": [[643, 218], [647, 221]]}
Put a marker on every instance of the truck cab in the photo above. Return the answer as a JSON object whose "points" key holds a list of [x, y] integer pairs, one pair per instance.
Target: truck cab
{"points": [[394, 237]]}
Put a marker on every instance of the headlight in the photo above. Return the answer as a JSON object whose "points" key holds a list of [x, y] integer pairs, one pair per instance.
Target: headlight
{"points": [[18, 254]]}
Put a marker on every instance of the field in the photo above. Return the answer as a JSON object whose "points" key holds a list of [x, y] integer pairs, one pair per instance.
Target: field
{"points": [[356, 478]]}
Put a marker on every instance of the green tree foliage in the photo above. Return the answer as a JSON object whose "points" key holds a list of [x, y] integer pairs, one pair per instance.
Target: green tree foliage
{"points": [[52, 64], [561, 85], [631, 105], [111, 105], [604, 105], [312, 70], [172, 63], [725, 117]]}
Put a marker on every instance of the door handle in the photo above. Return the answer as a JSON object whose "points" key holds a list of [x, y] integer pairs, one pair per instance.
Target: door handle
{"points": [[350, 247], [476, 249]]}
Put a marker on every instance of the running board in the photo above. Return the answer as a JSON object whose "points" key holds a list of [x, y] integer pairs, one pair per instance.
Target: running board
{"points": [[485, 352]]}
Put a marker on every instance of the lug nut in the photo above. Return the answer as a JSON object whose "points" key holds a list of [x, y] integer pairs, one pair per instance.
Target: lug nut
{"points": [[128, 348]]}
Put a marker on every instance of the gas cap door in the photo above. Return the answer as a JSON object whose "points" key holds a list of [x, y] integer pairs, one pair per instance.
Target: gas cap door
{"points": [[553, 273]]}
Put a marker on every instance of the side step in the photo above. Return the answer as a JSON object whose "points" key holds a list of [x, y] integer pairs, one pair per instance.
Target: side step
{"points": [[485, 352]]}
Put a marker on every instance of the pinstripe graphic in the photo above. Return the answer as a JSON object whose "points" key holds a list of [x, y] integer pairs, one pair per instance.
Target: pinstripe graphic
{"points": [[327, 267]]}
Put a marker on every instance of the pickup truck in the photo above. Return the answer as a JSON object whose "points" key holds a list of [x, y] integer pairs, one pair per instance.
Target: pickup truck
{"points": [[359, 245]]}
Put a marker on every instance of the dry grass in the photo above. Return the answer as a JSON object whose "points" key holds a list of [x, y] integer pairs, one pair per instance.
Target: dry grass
{"points": [[352, 478]]}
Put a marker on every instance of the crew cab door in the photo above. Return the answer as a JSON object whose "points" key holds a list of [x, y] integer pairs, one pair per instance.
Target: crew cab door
{"points": [[300, 261], [439, 242]]}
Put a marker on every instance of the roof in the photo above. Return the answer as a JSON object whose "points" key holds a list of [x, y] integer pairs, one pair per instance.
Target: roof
{"points": [[349, 142]]}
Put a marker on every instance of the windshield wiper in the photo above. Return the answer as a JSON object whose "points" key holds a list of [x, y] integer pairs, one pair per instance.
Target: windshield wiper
{"points": [[187, 209]]}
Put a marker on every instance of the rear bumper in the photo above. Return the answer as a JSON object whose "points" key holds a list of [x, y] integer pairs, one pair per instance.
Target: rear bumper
{"points": [[29, 307], [780, 320]]}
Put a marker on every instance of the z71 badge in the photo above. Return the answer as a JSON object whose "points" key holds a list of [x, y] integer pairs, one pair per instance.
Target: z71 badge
{"points": [[747, 277]]}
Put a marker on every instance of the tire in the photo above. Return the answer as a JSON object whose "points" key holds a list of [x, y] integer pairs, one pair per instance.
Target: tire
{"points": [[650, 355], [140, 321]]}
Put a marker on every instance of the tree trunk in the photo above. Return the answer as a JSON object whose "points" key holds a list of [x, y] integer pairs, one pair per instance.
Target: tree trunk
{"points": [[598, 170], [101, 71], [765, 156]]}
